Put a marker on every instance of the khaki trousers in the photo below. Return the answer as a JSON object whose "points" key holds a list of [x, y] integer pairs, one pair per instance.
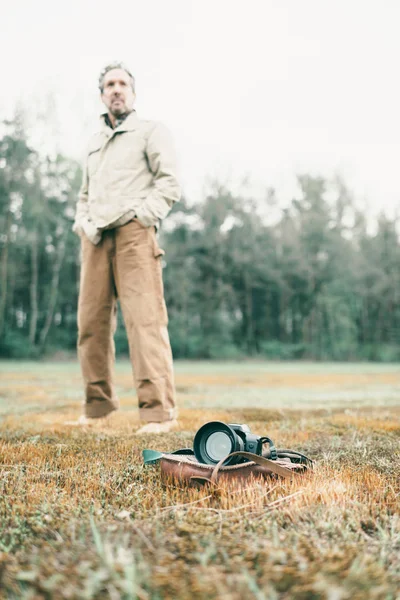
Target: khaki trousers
{"points": [[126, 264]]}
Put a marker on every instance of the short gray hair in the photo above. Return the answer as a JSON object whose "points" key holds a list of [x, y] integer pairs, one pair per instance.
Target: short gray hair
{"points": [[110, 67]]}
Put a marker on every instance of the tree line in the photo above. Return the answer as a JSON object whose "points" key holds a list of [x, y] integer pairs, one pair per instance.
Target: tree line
{"points": [[314, 283]]}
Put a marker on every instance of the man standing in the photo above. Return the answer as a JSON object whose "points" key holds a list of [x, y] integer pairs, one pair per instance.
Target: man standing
{"points": [[129, 185]]}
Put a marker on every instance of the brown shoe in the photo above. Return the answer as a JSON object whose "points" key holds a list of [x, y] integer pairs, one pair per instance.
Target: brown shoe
{"points": [[163, 427]]}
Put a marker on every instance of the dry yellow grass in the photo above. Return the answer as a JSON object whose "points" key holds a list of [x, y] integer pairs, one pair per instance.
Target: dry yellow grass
{"points": [[81, 517]]}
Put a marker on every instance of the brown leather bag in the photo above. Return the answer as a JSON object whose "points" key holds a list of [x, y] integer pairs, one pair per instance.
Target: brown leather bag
{"points": [[183, 467]]}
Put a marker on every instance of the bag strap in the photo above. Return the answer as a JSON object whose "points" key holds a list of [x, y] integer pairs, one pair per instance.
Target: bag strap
{"points": [[259, 460], [150, 457]]}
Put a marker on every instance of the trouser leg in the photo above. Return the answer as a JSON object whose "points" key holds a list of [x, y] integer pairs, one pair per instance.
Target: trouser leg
{"points": [[138, 279], [97, 320]]}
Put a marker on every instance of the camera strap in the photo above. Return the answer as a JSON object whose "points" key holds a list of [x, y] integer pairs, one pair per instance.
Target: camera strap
{"points": [[273, 455]]}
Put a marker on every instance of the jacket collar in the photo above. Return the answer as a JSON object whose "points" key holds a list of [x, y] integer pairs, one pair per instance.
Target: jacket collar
{"points": [[128, 124]]}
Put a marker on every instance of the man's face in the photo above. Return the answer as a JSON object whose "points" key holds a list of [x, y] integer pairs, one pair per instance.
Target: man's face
{"points": [[117, 94]]}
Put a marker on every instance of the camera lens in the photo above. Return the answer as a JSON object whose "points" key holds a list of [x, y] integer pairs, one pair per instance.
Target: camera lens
{"points": [[214, 441], [218, 445]]}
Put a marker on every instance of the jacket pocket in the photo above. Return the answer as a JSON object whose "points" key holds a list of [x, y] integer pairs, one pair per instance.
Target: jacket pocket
{"points": [[158, 252]]}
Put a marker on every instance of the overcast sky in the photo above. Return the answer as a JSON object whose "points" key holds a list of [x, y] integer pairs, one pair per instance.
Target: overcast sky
{"points": [[265, 88]]}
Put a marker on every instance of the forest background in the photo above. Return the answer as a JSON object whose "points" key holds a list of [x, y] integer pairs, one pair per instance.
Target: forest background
{"points": [[318, 280]]}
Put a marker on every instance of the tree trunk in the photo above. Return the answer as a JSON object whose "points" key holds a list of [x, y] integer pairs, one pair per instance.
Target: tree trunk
{"points": [[4, 273], [249, 312], [53, 292], [282, 316], [34, 289]]}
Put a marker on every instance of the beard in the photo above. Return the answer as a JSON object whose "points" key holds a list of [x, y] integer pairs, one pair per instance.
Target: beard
{"points": [[118, 109]]}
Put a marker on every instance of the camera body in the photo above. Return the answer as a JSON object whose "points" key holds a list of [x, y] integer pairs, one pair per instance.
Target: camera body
{"points": [[252, 443], [215, 440]]}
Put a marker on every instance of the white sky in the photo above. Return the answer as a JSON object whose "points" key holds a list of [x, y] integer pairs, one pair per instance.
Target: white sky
{"points": [[265, 88]]}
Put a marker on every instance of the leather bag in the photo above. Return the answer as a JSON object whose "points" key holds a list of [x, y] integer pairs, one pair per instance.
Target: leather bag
{"points": [[183, 467]]}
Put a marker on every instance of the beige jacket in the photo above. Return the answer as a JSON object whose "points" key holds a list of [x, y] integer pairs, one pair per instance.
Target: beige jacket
{"points": [[129, 171]]}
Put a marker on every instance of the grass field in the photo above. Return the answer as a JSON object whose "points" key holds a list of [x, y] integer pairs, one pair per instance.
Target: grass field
{"points": [[80, 517]]}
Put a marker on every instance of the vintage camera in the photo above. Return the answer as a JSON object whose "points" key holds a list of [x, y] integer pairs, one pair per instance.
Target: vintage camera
{"points": [[215, 440]]}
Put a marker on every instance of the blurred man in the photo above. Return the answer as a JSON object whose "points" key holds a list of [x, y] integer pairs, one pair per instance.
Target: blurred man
{"points": [[129, 185]]}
